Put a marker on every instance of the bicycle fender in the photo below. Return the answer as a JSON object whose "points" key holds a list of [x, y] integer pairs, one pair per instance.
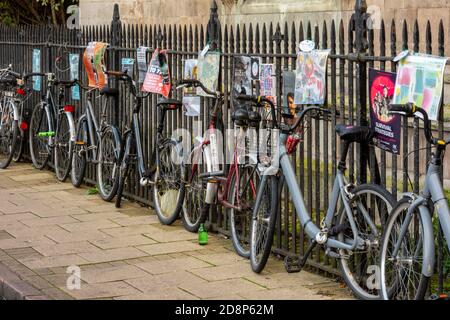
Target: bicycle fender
{"points": [[73, 134]]}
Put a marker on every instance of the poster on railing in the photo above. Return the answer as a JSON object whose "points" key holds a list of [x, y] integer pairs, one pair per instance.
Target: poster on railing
{"points": [[190, 73], [242, 75], [420, 80], [386, 127], [128, 66], [36, 69], [142, 63], [310, 81], [157, 79], [74, 61], [289, 93], [94, 62], [192, 106], [208, 71], [267, 81]]}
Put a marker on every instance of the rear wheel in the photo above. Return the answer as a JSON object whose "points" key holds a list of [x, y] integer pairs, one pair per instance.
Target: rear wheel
{"points": [[18, 150], [168, 190], [38, 138], [8, 135], [79, 154], [108, 165], [63, 148]]}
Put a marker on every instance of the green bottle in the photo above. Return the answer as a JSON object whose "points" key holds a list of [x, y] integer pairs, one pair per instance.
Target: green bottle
{"points": [[202, 235]]}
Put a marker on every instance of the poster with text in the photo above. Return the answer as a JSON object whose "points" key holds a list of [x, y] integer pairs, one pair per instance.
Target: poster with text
{"points": [[36, 69], [420, 80], [242, 79], [142, 63], [74, 60], [157, 79], [208, 71], [267, 81], [310, 81], [94, 62], [128, 66], [289, 93], [385, 126], [191, 73]]}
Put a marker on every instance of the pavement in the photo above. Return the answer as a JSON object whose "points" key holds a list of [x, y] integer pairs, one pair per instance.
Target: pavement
{"points": [[58, 242]]}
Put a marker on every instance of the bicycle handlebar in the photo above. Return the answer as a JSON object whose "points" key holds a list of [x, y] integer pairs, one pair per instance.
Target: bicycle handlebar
{"points": [[304, 113], [196, 83], [123, 76], [259, 101], [410, 110]]}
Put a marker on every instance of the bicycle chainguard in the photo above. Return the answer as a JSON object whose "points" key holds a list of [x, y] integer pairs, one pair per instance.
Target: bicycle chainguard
{"points": [[295, 264]]}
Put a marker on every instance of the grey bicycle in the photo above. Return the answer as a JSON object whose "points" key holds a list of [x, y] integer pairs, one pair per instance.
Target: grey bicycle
{"points": [[408, 247], [350, 233]]}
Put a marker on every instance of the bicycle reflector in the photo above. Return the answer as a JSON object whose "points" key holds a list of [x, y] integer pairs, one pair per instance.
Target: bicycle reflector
{"points": [[69, 108], [24, 125], [21, 91]]}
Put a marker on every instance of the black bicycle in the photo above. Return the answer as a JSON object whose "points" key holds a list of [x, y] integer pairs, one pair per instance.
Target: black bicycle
{"points": [[166, 171]]}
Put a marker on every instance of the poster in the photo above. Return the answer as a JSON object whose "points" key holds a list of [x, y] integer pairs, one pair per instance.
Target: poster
{"points": [[94, 62], [387, 127], [420, 80], [242, 75], [192, 106], [36, 69], [256, 62], [310, 80], [74, 60], [142, 63], [267, 81], [190, 72], [128, 66], [208, 71], [157, 79], [289, 106]]}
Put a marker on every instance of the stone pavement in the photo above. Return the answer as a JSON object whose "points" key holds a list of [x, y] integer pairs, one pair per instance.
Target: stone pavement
{"points": [[46, 226]]}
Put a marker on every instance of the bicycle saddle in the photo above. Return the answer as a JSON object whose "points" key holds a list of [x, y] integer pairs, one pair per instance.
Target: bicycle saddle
{"points": [[354, 133], [109, 92], [8, 80], [254, 118], [169, 104], [240, 117]]}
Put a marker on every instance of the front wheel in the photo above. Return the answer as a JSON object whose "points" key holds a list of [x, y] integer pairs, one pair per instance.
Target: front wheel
{"points": [[371, 206], [168, 190], [8, 136], [63, 148], [79, 160], [263, 223], [108, 165], [39, 137], [401, 275]]}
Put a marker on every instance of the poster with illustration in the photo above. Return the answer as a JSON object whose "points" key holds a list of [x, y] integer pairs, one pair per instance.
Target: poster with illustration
{"points": [[267, 80], [94, 62], [208, 71], [142, 63], [157, 79], [36, 69], [190, 72], [420, 80], [310, 80], [74, 61], [289, 106], [256, 63], [386, 127], [242, 75], [128, 66]]}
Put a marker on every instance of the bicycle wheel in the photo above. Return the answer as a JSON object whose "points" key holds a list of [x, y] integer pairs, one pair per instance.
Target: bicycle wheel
{"points": [[63, 148], [18, 150], [39, 145], [240, 221], [194, 206], [401, 276], [9, 131], [360, 267], [123, 175], [108, 165], [79, 155], [168, 190], [263, 225]]}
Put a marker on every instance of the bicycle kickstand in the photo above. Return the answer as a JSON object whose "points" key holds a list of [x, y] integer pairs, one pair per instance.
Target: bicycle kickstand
{"points": [[295, 264]]}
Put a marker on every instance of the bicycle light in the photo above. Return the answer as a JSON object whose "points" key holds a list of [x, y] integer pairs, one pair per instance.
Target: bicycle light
{"points": [[21, 91], [69, 108], [24, 125]]}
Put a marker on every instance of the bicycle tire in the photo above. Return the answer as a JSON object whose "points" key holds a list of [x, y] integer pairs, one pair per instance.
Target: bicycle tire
{"points": [[390, 291], [7, 147], [123, 175], [39, 145], [358, 280], [168, 205], [108, 184], [79, 161], [18, 151], [63, 152], [260, 249]]}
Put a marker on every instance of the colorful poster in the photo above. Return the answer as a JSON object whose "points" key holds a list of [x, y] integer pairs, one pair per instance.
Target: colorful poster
{"points": [[289, 106], [142, 63], [267, 80], [191, 72], [157, 79], [36, 69], [128, 66], [310, 81], [386, 127], [94, 62], [74, 60], [420, 80], [208, 71]]}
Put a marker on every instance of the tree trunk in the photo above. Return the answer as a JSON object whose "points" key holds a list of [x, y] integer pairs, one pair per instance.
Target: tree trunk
{"points": [[52, 5]]}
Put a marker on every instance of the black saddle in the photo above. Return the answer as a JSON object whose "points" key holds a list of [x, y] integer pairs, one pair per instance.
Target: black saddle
{"points": [[357, 134], [109, 92], [240, 117], [8, 81], [169, 104]]}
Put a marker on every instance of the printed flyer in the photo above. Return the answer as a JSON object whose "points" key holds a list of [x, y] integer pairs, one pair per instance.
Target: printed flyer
{"points": [[157, 79], [386, 127], [420, 80], [208, 71], [74, 60], [128, 66], [36, 69], [190, 72], [310, 82], [94, 63], [142, 63], [289, 93], [267, 80]]}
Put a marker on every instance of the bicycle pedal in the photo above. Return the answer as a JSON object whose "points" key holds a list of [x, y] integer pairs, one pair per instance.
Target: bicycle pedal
{"points": [[292, 264]]}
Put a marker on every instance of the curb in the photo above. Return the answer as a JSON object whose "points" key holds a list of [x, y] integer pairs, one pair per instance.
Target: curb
{"points": [[12, 287]]}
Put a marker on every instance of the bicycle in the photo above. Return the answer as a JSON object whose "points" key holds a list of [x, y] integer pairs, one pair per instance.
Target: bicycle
{"points": [[165, 173], [234, 190], [52, 127], [350, 234], [408, 247], [99, 144]]}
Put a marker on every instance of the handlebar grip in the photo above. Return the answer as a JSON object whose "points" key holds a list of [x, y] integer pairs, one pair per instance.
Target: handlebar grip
{"points": [[14, 74], [408, 108], [116, 74], [243, 97], [187, 81]]}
